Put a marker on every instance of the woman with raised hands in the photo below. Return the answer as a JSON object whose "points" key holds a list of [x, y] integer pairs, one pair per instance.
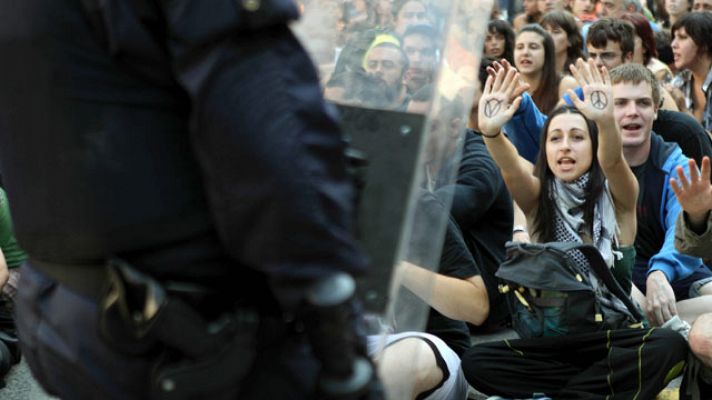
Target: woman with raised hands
{"points": [[580, 166], [580, 190]]}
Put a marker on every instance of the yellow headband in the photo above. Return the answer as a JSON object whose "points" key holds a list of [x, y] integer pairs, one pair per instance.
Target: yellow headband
{"points": [[378, 40]]}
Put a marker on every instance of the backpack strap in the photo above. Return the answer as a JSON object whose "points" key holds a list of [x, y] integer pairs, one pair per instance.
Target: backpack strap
{"points": [[603, 272]]}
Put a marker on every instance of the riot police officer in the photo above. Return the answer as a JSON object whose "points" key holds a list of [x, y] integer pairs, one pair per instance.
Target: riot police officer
{"points": [[181, 191]]}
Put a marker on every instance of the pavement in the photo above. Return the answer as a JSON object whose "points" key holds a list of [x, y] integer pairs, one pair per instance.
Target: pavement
{"points": [[20, 385]]}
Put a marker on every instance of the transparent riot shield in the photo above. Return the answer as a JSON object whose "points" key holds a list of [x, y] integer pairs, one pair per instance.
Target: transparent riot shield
{"points": [[402, 74]]}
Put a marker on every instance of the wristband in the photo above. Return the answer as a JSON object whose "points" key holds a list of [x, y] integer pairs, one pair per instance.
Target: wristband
{"points": [[518, 229], [492, 136]]}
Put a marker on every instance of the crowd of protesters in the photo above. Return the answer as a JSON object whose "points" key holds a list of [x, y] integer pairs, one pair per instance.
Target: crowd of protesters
{"points": [[631, 177], [628, 164]]}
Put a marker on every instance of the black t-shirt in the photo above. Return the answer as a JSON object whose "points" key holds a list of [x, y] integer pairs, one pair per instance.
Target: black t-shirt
{"points": [[651, 181], [480, 223], [455, 261], [683, 129]]}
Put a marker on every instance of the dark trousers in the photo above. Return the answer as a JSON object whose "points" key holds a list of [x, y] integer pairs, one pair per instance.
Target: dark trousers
{"points": [[59, 337], [621, 364]]}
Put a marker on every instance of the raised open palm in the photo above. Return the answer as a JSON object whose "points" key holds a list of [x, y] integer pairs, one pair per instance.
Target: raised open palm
{"points": [[695, 194], [597, 103], [495, 108]]}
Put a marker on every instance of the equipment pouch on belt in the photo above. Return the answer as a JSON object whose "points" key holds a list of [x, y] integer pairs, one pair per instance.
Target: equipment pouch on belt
{"points": [[197, 358]]}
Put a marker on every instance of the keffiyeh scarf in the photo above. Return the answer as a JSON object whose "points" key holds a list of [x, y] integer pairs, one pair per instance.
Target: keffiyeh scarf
{"points": [[569, 199]]}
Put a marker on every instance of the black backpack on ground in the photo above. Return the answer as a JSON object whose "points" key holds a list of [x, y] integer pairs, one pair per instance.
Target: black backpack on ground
{"points": [[548, 294]]}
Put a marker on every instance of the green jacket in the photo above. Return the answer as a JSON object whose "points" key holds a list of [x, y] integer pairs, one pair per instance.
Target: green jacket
{"points": [[14, 255]]}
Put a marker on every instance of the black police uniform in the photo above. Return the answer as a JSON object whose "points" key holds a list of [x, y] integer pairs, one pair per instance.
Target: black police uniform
{"points": [[188, 138]]}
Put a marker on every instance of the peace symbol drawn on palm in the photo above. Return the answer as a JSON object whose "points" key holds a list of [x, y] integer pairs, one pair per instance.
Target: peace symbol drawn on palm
{"points": [[599, 99], [492, 107]]}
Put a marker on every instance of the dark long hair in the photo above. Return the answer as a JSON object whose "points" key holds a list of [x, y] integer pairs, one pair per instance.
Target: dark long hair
{"points": [[545, 213], [504, 29], [566, 21], [547, 94]]}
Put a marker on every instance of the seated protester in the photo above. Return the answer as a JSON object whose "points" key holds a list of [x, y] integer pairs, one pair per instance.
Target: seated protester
{"points": [[535, 58], [584, 11], [481, 209], [645, 51], [662, 273], [581, 190], [611, 42], [662, 44], [547, 6], [420, 44], [702, 5], [386, 60], [693, 236], [530, 15], [382, 15], [613, 9], [692, 49], [568, 42], [409, 13], [499, 41], [675, 10], [464, 289]]}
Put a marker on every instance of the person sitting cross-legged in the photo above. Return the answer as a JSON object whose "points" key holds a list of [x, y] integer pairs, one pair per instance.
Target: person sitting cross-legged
{"points": [[581, 190]]}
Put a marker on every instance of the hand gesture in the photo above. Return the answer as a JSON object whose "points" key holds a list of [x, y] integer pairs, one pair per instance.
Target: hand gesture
{"points": [[695, 194], [495, 107], [597, 104], [506, 66], [660, 299]]}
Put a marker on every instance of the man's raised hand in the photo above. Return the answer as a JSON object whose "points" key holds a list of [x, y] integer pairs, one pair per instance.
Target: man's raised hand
{"points": [[695, 194]]}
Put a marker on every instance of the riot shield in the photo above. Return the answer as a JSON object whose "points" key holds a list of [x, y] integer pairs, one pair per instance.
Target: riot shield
{"points": [[402, 74]]}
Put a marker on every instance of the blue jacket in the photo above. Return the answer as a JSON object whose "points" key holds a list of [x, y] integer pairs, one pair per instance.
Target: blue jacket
{"points": [[524, 130], [664, 158]]}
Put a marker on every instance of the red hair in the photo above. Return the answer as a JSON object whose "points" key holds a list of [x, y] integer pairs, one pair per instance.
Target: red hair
{"points": [[645, 32]]}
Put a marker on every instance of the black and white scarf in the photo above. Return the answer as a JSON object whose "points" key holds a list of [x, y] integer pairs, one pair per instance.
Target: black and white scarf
{"points": [[569, 199]]}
